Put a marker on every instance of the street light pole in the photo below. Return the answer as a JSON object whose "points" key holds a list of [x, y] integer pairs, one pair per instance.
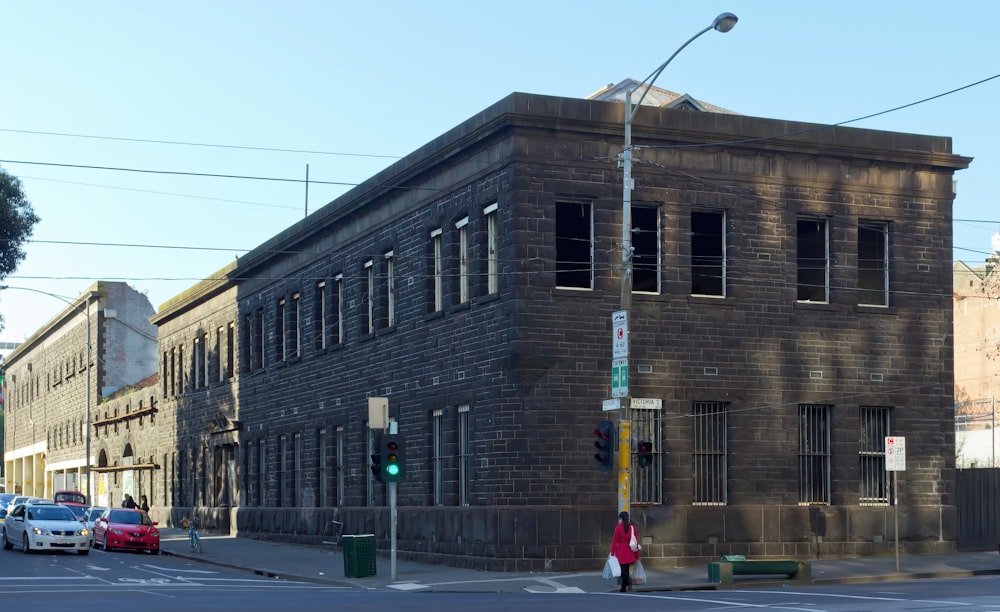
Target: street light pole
{"points": [[723, 23]]}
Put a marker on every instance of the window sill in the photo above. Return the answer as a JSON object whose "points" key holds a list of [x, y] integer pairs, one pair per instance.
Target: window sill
{"points": [[485, 299], [712, 300]]}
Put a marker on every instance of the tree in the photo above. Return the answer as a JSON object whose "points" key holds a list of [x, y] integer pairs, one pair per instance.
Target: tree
{"points": [[17, 220]]}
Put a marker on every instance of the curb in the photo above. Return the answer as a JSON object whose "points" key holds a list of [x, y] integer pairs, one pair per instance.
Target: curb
{"points": [[263, 572]]}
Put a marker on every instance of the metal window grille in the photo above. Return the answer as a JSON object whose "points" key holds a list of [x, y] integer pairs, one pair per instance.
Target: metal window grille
{"points": [[814, 454], [647, 482], [438, 458], [875, 481], [464, 455], [341, 467], [711, 449], [322, 444]]}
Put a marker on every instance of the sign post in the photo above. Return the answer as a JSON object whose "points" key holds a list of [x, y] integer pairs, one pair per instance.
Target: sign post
{"points": [[619, 391], [895, 461]]}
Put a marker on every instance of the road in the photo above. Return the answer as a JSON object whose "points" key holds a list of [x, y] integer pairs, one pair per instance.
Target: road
{"points": [[103, 581]]}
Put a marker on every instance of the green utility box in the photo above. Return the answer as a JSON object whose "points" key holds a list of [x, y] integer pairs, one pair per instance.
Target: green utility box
{"points": [[359, 555]]}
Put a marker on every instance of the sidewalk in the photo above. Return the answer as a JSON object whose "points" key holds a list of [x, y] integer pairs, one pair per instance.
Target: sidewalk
{"points": [[323, 565]]}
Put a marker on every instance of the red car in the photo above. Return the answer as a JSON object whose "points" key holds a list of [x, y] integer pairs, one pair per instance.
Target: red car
{"points": [[128, 529]]}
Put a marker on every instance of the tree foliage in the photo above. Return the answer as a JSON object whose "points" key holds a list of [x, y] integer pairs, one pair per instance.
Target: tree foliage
{"points": [[17, 221]]}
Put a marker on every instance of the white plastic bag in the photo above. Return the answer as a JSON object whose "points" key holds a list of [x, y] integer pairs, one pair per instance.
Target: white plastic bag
{"points": [[612, 569], [633, 543], [639, 573]]}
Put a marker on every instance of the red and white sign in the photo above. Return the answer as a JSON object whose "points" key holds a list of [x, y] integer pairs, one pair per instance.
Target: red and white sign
{"points": [[619, 329], [895, 454]]}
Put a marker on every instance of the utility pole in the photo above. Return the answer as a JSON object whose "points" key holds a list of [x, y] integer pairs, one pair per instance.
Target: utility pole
{"points": [[620, 368]]}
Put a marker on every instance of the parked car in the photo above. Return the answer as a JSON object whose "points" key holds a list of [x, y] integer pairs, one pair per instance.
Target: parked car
{"points": [[90, 517], [4, 500], [19, 499], [45, 525], [126, 528], [70, 498]]}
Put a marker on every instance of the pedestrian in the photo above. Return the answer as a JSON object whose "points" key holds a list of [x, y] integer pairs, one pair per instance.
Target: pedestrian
{"points": [[144, 503], [128, 502], [622, 548]]}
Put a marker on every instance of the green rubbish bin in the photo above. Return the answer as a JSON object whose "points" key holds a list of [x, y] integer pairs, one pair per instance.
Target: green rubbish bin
{"points": [[359, 555]]}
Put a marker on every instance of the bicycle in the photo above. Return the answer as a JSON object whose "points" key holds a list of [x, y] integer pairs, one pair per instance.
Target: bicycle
{"points": [[194, 538]]}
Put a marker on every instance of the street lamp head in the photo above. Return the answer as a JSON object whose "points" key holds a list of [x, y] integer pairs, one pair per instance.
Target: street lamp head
{"points": [[725, 22]]}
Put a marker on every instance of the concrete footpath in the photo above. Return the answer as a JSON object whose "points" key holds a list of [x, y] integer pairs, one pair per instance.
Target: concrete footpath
{"points": [[325, 565]]}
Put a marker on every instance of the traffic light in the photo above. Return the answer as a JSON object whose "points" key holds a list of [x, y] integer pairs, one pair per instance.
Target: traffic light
{"points": [[393, 461], [377, 466], [605, 446], [645, 453]]}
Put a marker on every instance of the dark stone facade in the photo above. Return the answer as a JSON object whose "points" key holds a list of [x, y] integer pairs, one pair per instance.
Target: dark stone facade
{"points": [[496, 393]]}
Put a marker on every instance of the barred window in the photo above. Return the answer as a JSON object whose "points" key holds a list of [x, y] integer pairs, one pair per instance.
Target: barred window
{"points": [[875, 481], [464, 455], [814, 454], [711, 449], [647, 482]]}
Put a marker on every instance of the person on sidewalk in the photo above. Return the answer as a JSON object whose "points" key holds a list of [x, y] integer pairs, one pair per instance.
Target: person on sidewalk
{"points": [[128, 502], [621, 548], [144, 504]]}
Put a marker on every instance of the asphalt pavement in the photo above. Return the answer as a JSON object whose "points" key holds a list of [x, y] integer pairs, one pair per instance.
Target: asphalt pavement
{"points": [[324, 564]]}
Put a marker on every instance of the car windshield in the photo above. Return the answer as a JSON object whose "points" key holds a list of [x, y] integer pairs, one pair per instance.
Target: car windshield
{"points": [[6, 497], [50, 513], [125, 517], [95, 513], [78, 511], [70, 496]]}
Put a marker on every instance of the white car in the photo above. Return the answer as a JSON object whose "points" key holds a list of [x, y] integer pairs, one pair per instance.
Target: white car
{"points": [[45, 525], [90, 517]]}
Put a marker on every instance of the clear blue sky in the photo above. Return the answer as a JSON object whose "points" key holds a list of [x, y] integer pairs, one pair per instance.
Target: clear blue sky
{"points": [[360, 84]]}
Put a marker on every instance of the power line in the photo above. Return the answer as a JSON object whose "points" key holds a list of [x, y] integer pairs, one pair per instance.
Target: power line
{"points": [[199, 144]]}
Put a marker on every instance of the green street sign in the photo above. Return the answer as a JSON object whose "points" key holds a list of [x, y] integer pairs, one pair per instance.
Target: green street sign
{"points": [[619, 377]]}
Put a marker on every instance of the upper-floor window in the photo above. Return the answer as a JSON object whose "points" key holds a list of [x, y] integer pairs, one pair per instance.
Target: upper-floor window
{"points": [[708, 253], [389, 290], [294, 334], [219, 368], [813, 241], [230, 349], [463, 259], [437, 271], [574, 245], [319, 316], [337, 302], [492, 264], [646, 249], [279, 331], [257, 346], [368, 312], [873, 263], [198, 355]]}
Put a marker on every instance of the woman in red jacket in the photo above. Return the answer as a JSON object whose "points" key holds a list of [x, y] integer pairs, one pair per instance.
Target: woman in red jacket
{"points": [[622, 550]]}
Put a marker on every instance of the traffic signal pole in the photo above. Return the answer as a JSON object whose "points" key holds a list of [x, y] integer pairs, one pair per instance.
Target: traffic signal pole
{"points": [[624, 460]]}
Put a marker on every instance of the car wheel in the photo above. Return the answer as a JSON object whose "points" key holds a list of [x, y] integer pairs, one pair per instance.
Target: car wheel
{"points": [[104, 544], [6, 543], [25, 547]]}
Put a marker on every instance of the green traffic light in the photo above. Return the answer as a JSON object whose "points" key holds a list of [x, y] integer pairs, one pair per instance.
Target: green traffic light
{"points": [[392, 470]]}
